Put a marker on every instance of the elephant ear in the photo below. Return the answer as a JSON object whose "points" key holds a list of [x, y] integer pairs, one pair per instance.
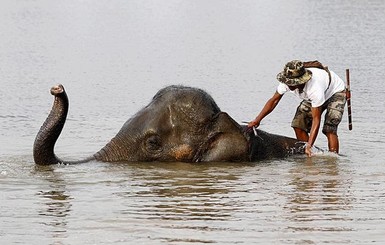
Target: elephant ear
{"points": [[226, 141]]}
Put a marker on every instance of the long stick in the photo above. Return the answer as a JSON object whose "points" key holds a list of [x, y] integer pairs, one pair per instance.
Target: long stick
{"points": [[348, 96]]}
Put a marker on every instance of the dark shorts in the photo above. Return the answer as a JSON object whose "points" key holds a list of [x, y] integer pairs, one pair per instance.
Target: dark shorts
{"points": [[334, 110]]}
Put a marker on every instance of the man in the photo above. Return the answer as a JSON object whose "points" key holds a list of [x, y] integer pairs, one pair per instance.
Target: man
{"points": [[320, 90]]}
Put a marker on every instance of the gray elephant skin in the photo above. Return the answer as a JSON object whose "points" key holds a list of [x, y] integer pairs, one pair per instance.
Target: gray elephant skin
{"points": [[180, 124]]}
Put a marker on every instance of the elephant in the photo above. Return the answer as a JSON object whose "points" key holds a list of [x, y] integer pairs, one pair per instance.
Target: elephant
{"points": [[180, 123]]}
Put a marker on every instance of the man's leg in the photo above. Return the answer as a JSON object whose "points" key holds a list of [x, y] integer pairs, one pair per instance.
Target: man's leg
{"points": [[333, 142], [333, 116], [302, 121], [301, 134]]}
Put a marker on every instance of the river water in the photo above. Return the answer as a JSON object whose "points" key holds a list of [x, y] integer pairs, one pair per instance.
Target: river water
{"points": [[113, 56]]}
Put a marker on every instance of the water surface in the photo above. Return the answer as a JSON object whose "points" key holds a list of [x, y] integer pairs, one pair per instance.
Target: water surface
{"points": [[113, 56]]}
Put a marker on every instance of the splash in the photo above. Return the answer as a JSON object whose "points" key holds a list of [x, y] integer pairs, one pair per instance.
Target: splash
{"points": [[300, 148], [317, 151]]}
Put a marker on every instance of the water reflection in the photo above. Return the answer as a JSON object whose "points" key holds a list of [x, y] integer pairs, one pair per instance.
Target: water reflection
{"points": [[101, 46], [180, 191], [54, 202], [320, 198]]}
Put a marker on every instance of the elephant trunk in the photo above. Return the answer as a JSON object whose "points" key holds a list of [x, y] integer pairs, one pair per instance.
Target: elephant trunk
{"points": [[43, 149]]}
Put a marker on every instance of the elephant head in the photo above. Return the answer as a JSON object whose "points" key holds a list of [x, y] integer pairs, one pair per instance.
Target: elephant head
{"points": [[179, 124]]}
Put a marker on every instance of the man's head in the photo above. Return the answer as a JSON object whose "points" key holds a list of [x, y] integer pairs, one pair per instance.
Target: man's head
{"points": [[294, 74]]}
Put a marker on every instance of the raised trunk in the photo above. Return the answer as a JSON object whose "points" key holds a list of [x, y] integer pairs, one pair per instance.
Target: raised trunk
{"points": [[43, 148]]}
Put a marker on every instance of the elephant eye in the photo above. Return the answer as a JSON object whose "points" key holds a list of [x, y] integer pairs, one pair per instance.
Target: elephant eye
{"points": [[153, 143]]}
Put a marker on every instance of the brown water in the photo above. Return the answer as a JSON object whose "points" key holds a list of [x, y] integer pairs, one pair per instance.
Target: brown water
{"points": [[113, 56]]}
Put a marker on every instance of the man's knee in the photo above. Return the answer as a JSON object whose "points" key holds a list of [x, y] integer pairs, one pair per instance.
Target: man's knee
{"points": [[329, 129], [301, 134], [331, 135]]}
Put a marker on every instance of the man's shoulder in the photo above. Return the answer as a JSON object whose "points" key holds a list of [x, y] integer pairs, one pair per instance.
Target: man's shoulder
{"points": [[317, 71], [282, 88]]}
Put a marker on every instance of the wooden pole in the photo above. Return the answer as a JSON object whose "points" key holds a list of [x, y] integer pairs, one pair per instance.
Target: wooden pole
{"points": [[348, 97]]}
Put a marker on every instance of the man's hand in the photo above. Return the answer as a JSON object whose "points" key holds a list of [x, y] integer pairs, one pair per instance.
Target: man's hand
{"points": [[254, 123], [308, 151]]}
